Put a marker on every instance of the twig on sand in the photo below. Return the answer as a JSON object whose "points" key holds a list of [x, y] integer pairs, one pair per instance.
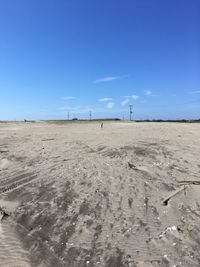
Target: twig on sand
{"points": [[189, 182], [4, 151], [49, 139], [184, 187], [165, 201]]}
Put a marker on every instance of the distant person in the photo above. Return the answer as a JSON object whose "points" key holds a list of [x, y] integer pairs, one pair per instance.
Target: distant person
{"points": [[25, 120], [102, 125]]}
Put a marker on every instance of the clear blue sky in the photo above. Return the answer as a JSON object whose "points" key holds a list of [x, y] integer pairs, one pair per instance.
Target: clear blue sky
{"points": [[101, 55]]}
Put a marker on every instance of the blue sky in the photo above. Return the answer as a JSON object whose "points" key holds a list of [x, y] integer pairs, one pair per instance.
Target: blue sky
{"points": [[100, 55]]}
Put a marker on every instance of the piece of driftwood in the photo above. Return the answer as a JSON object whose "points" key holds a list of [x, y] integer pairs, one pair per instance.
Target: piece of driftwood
{"points": [[4, 151], [165, 201], [189, 182]]}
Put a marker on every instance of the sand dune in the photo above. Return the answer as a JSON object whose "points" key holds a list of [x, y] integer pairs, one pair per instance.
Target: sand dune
{"points": [[77, 195]]}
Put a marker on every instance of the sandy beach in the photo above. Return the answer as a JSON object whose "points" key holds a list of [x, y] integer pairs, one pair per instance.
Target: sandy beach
{"points": [[78, 195]]}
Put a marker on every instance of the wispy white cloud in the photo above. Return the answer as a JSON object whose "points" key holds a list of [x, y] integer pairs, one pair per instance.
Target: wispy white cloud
{"points": [[125, 102], [195, 92], [109, 79], [148, 92], [135, 97], [105, 99], [110, 105], [68, 97]]}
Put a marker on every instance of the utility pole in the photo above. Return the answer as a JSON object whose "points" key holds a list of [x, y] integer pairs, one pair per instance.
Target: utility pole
{"points": [[68, 116], [90, 115], [131, 112]]}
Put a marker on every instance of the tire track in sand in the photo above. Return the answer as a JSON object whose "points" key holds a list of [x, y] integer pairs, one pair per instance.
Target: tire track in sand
{"points": [[16, 182]]}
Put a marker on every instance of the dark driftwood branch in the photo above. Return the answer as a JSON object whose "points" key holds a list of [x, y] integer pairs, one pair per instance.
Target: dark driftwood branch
{"points": [[189, 182], [165, 201]]}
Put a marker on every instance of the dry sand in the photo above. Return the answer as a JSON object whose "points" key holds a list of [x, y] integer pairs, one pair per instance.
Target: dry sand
{"points": [[77, 195]]}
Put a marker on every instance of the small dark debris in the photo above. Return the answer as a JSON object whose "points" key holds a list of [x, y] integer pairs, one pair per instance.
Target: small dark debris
{"points": [[132, 166], [4, 214], [130, 201]]}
